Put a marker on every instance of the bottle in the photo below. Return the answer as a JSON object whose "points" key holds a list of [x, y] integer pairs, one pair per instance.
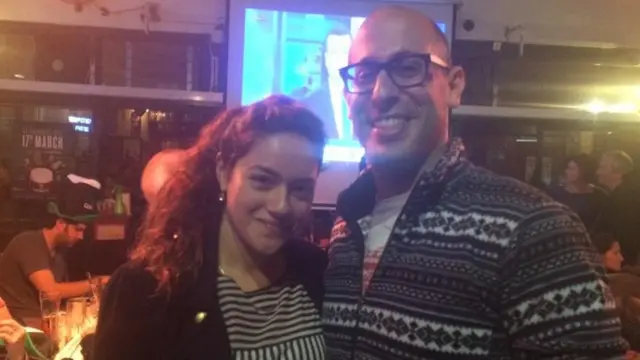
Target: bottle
{"points": [[119, 208]]}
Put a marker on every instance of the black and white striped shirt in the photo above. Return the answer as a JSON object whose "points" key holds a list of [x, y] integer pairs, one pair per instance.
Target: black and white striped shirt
{"points": [[277, 323]]}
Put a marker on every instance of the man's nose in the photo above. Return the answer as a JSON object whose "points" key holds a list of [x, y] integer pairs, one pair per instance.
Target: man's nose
{"points": [[385, 93]]}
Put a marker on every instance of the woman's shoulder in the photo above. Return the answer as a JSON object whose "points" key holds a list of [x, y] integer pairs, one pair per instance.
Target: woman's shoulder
{"points": [[306, 260], [307, 263], [132, 274], [132, 284], [306, 253]]}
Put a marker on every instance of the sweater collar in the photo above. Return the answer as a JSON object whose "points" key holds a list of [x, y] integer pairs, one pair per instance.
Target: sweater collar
{"points": [[358, 200]]}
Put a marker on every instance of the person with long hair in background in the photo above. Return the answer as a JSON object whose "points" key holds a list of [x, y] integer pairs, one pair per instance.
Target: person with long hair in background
{"points": [[218, 272]]}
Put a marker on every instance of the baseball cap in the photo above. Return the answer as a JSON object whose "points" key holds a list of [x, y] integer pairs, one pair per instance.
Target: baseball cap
{"points": [[77, 199]]}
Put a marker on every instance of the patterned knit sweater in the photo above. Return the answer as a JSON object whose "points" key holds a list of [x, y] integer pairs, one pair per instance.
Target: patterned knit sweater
{"points": [[478, 266]]}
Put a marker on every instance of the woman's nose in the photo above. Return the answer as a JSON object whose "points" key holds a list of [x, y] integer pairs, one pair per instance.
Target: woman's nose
{"points": [[278, 202]]}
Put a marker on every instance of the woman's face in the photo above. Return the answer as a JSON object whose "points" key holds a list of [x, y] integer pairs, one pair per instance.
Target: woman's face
{"points": [[572, 172], [270, 190], [613, 258]]}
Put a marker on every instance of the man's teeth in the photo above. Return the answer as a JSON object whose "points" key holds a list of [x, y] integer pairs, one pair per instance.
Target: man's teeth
{"points": [[387, 122]]}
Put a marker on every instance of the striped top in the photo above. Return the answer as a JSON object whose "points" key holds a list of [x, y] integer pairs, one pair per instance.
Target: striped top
{"points": [[277, 323]]}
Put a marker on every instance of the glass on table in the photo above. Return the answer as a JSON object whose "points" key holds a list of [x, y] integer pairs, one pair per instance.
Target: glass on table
{"points": [[49, 310], [76, 314], [54, 321]]}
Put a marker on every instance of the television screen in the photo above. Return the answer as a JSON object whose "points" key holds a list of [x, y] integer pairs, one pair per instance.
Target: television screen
{"points": [[296, 49]]}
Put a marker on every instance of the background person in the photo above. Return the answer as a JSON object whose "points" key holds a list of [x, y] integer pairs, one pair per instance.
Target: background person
{"points": [[620, 213], [578, 191], [34, 262], [625, 287], [159, 170]]}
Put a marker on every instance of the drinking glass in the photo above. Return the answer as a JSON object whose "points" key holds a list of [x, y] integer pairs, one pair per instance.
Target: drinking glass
{"points": [[76, 314], [52, 319], [49, 310]]}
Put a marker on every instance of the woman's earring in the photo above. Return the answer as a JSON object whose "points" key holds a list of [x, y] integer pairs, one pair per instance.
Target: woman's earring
{"points": [[222, 197]]}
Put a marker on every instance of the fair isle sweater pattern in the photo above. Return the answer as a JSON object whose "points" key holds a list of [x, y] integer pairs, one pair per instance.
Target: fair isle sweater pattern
{"points": [[478, 266]]}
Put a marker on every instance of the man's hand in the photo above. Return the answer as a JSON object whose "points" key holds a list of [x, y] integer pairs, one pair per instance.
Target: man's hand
{"points": [[104, 280]]}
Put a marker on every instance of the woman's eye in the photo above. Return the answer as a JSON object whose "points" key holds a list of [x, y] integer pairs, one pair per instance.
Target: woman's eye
{"points": [[302, 189], [261, 181], [303, 192]]}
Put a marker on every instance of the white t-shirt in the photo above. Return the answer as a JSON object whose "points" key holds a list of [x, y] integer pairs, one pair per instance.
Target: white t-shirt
{"points": [[383, 218]]}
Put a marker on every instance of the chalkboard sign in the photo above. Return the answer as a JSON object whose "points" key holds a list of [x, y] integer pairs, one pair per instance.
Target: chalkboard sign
{"points": [[42, 156]]}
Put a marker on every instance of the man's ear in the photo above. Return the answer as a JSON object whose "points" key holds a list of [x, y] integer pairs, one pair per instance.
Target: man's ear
{"points": [[222, 174], [457, 83]]}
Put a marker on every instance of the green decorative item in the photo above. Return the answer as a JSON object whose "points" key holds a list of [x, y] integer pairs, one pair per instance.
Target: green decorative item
{"points": [[119, 208], [29, 344]]}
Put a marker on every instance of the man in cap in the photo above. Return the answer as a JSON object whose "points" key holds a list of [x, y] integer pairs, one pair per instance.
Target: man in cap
{"points": [[33, 262], [434, 258]]}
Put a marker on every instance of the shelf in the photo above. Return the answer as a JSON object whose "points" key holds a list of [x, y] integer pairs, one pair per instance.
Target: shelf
{"points": [[199, 98]]}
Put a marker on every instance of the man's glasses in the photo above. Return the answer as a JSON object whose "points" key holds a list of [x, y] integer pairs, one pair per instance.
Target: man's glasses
{"points": [[405, 71]]}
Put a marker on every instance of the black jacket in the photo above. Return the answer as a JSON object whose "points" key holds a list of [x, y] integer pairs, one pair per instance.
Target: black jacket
{"points": [[137, 324], [620, 218]]}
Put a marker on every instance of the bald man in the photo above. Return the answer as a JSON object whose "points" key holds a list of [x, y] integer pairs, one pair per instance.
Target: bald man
{"points": [[434, 258], [159, 170]]}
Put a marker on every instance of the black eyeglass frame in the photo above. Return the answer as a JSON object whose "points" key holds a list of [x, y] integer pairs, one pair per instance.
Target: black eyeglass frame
{"points": [[428, 59]]}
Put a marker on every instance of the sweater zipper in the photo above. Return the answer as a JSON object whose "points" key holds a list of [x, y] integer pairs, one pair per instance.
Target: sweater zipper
{"points": [[362, 292]]}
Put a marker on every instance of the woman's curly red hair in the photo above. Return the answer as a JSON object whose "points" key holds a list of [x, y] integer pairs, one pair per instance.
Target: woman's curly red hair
{"points": [[170, 240]]}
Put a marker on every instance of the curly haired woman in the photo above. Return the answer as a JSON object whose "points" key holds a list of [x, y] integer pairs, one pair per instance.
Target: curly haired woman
{"points": [[219, 271]]}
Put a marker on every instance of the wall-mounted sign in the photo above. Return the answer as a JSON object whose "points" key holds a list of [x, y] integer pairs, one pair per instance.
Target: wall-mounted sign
{"points": [[42, 156], [80, 124]]}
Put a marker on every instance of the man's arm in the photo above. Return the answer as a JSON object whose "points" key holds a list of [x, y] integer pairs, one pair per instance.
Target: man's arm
{"points": [[555, 303], [45, 282], [36, 265]]}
